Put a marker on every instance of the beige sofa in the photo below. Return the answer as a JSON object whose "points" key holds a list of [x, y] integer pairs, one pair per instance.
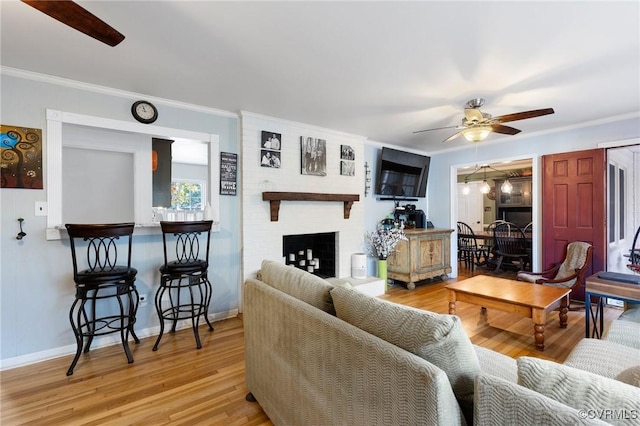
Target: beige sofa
{"points": [[322, 354]]}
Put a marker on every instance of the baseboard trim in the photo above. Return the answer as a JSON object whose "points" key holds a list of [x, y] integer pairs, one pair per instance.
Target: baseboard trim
{"points": [[111, 339]]}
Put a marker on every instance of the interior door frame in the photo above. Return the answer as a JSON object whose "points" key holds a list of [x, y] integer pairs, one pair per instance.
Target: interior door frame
{"points": [[635, 183], [536, 212]]}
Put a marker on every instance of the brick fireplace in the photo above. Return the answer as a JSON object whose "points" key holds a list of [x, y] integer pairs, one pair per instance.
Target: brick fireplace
{"points": [[264, 238]]}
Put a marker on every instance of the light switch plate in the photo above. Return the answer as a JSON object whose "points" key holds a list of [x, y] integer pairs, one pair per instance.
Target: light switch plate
{"points": [[41, 208]]}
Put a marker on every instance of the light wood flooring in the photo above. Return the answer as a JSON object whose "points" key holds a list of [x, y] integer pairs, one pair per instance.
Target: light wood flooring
{"points": [[181, 385]]}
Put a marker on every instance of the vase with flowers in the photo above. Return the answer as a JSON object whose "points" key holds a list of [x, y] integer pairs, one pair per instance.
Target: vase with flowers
{"points": [[381, 244]]}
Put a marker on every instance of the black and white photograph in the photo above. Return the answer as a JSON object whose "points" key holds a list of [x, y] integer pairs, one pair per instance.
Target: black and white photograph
{"points": [[313, 156], [347, 153], [271, 140], [270, 158], [347, 168]]}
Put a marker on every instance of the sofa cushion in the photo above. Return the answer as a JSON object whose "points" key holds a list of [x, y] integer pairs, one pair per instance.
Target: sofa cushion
{"points": [[602, 357], [624, 332], [439, 339], [580, 389], [297, 283]]}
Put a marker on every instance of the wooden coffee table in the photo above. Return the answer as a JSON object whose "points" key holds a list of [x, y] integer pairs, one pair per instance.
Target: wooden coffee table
{"points": [[533, 301]]}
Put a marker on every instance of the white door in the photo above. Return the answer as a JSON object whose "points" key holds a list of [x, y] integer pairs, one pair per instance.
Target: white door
{"points": [[623, 201], [470, 206]]}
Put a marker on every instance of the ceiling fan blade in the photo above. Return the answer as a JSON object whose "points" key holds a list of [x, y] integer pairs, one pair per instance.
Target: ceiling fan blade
{"points": [[473, 114], [523, 115], [506, 130], [452, 137], [435, 128], [79, 18]]}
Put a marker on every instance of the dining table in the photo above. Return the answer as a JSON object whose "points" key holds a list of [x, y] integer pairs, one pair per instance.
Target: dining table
{"points": [[488, 235], [486, 240]]}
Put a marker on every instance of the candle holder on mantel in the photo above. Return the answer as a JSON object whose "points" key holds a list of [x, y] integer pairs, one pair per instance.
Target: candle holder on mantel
{"points": [[303, 259]]}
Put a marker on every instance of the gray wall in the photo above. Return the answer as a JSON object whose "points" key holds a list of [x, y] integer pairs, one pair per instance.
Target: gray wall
{"points": [[36, 280]]}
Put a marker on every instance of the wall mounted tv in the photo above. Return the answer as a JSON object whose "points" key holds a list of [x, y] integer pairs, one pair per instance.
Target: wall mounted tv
{"points": [[402, 174]]}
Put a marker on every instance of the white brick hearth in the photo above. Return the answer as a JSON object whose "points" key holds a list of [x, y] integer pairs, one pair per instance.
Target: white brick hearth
{"points": [[262, 238]]}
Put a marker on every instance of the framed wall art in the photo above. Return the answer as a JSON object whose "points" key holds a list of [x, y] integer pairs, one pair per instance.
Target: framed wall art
{"points": [[269, 158], [270, 144], [21, 153], [271, 140], [347, 168], [313, 156], [347, 161], [228, 173]]}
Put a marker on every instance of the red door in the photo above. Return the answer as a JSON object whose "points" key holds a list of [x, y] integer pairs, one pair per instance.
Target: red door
{"points": [[574, 207]]}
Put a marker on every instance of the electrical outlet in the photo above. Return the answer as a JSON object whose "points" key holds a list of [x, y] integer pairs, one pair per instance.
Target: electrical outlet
{"points": [[143, 299], [41, 208]]}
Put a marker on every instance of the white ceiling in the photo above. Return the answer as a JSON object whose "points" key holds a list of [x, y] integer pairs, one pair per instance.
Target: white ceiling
{"points": [[377, 69]]}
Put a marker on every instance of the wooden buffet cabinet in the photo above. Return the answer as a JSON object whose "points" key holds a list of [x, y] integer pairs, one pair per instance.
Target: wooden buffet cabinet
{"points": [[425, 255]]}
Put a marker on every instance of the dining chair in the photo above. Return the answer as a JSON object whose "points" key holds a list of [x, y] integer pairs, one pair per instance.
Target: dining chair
{"points": [[489, 245], [510, 244], [468, 249]]}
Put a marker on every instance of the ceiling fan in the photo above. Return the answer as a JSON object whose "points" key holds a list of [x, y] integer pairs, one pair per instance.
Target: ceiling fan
{"points": [[79, 18], [477, 125]]}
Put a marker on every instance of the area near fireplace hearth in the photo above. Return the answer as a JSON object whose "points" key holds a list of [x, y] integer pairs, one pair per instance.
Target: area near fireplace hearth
{"points": [[264, 238]]}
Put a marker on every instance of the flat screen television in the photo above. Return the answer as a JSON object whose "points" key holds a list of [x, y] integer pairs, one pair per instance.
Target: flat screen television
{"points": [[402, 174]]}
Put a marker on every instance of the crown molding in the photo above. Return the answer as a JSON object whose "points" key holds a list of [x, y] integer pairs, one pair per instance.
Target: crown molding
{"points": [[45, 78]]}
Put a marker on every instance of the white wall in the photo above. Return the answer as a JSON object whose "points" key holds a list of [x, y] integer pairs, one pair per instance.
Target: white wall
{"points": [[262, 239]]}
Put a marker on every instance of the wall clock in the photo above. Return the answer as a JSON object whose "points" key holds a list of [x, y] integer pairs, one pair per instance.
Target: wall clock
{"points": [[144, 111]]}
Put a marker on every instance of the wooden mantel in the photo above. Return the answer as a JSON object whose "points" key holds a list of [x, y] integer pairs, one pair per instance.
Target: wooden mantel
{"points": [[275, 198]]}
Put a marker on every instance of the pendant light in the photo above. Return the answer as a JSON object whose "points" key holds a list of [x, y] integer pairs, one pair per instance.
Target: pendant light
{"points": [[466, 190], [506, 186], [485, 188]]}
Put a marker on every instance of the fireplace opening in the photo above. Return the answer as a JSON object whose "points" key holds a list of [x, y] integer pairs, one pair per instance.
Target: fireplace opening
{"points": [[314, 253]]}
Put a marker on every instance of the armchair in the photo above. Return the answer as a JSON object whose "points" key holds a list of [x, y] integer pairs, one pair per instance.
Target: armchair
{"points": [[570, 273]]}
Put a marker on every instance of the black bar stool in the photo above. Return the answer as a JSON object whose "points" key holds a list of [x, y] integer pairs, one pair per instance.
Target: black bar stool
{"points": [[185, 290], [103, 279]]}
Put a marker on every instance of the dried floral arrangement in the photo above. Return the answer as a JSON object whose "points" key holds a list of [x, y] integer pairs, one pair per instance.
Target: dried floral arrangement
{"points": [[382, 242]]}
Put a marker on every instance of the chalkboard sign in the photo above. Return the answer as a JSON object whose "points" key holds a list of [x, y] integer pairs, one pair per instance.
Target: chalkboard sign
{"points": [[228, 173]]}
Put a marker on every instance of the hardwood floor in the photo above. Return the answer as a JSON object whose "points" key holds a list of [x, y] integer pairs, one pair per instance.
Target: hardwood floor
{"points": [[181, 385]]}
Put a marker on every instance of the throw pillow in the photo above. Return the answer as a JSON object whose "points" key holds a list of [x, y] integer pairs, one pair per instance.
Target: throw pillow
{"points": [[439, 339], [300, 284], [339, 282], [630, 376], [580, 389]]}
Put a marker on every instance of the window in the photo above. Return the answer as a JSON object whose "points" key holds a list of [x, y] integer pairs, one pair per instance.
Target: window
{"points": [[188, 195], [621, 206], [617, 200]]}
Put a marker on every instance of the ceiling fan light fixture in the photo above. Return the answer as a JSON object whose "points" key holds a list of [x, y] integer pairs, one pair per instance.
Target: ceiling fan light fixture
{"points": [[506, 187], [476, 133]]}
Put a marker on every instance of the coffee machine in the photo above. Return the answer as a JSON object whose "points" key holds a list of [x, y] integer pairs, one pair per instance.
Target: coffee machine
{"points": [[413, 218]]}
